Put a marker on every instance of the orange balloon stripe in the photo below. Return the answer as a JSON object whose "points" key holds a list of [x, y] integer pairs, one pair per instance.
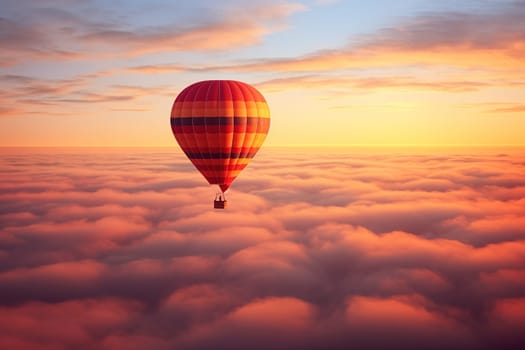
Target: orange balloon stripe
{"points": [[223, 108]]}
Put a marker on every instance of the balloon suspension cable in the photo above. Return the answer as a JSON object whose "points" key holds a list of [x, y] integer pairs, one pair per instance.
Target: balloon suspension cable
{"points": [[220, 196], [220, 201]]}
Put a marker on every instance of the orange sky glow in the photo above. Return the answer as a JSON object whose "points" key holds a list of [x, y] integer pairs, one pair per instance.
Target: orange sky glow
{"points": [[384, 211], [424, 75]]}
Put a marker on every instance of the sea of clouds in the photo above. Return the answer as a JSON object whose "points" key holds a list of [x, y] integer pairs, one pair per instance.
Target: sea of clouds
{"points": [[318, 249]]}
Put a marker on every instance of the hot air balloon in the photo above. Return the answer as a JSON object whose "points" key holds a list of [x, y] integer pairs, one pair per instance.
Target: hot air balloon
{"points": [[220, 125]]}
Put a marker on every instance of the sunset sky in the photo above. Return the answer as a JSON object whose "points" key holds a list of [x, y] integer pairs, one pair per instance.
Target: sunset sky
{"points": [[381, 241], [98, 73]]}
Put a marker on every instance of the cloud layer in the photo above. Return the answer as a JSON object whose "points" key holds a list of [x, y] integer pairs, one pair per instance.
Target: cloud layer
{"points": [[317, 250]]}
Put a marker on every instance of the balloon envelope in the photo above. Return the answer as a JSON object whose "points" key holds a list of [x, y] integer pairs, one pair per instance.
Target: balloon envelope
{"points": [[220, 125]]}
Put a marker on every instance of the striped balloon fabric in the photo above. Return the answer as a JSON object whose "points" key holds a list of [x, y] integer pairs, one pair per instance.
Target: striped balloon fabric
{"points": [[220, 125]]}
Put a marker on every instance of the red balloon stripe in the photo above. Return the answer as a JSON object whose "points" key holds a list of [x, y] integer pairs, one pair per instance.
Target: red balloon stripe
{"points": [[220, 125]]}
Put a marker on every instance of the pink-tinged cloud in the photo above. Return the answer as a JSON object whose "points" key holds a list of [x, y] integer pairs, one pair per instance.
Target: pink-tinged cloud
{"points": [[433, 38], [57, 34], [285, 320], [405, 318], [25, 95], [507, 322], [350, 249], [80, 323], [369, 83], [198, 304], [510, 312], [512, 108]]}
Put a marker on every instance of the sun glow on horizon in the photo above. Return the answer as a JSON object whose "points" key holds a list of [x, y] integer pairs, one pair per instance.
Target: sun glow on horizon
{"points": [[429, 76]]}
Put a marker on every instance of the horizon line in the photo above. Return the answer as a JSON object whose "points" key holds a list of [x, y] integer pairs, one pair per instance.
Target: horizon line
{"points": [[278, 145]]}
